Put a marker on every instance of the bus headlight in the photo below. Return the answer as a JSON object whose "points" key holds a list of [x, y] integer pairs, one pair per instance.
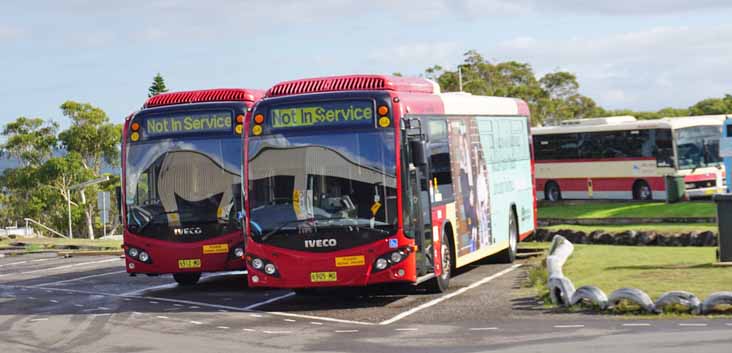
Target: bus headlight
{"points": [[396, 257], [381, 264], [239, 252], [133, 252], [144, 256], [270, 269], [257, 263]]}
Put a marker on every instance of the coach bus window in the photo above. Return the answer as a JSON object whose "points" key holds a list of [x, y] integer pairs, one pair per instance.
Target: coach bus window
{"points": [[556, 147], [664, 152], [698, 146], [440, 160]]}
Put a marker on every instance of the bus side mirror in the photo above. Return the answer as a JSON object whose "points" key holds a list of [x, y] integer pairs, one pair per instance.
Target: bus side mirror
{"points": [[419, 153], [118, 195]]}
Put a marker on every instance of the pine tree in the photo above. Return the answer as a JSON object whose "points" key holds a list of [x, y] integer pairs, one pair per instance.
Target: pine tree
{"points": [[158, 86]]}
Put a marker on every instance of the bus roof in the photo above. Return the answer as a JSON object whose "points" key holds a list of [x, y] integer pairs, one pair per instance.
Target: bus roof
{"points": [[615, 124], [206, 95]]}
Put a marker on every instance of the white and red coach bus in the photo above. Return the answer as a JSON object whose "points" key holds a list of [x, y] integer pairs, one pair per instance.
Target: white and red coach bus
{"points": [[368, 179], [182, 185], [625, 158]]}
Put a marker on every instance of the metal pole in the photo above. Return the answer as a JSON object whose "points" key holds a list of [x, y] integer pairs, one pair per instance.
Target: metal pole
{"points": [[460, 78], [68, 206], [104, 219]]}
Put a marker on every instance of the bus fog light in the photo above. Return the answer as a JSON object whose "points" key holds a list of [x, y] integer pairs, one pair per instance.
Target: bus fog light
{"points": [[131, 265], [255, 279], [144, 257], [257, 263], [381, 264], [396, 257], [133, 252], [270, 269], [400, 272], [239, 252]]}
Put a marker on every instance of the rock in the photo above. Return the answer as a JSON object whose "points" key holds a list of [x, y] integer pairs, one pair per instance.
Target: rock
{"points": [[626, 238], [540, 235], [685, 239], [708, 238], [605, 238], [695, 239], [646, 238]]}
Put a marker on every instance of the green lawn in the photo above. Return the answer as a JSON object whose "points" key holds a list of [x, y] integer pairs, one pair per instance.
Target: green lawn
{"points": [[658, 228], [35, 244], [654, 270], [628, 210]]}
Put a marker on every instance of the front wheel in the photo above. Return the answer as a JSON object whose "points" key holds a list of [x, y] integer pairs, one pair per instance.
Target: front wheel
{"points": [[509, 255], [440, 283], [552, 193], [642, 191], [187, 278]]}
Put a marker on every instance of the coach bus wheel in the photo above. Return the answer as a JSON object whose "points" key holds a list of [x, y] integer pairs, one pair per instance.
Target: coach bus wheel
{"points": [[440, 283], [187, 278], [642, 191], [552, 192], [509, 255]]}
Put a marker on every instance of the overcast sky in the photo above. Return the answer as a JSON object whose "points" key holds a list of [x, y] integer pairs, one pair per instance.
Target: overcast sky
{"points": [[641, 54]]}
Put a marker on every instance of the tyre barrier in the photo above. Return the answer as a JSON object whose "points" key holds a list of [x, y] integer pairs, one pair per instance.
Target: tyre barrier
{"points": [[563, 293]]}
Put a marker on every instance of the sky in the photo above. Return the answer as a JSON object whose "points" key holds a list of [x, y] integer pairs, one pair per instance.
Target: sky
{"points": [[640, 54]]}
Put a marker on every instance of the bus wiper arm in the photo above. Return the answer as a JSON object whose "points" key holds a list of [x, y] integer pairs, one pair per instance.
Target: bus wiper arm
{"points": [[283, 225]]}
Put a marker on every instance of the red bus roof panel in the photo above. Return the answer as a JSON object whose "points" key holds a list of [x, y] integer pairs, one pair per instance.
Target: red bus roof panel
{"points": [[206, 95], [352, 83]]}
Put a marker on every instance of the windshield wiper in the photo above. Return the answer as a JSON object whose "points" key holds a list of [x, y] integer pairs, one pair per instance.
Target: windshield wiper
{"points": [[283, 225], [142, 227]]}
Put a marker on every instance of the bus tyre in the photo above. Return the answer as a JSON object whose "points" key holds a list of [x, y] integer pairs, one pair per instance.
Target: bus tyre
{"points": [[552, 192], [187, 278], [509, 255], [440, 283], [642, 191]]}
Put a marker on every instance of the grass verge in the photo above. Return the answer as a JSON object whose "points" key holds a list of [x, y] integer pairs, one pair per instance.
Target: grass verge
{"points": [[40, 244], [568, 210]]}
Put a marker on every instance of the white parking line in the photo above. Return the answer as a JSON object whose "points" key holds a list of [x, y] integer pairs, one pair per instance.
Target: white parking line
{"points": [[315, 323], [694, 325], [405, 329], [79, 305], [448, 296], [345, 331], [320, 318], [290, 320], [77, 279], [277, 332], [13, 263], [569, 326], [53, 301], [729, 324], [484, 329], [269, 301], [46, 259], [162, 317], [642, 324], [248, 330], [40, 319], [196, 322], [223, 327], [61, 267]]}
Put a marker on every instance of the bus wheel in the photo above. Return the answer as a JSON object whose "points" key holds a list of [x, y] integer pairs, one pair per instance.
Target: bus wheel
{"points": [[642, 191], [509, 255], [440, 283], [187, 278], [552, 192]]}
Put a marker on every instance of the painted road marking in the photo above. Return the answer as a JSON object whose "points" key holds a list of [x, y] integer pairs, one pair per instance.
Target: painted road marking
{"points": [[484, 329], [196, 322], [345, 331], [643, 324], [153, 302], [256, 305], [41, 319], [53, 301], [277, 332], [223, 327], [321, 318], [62, 267], [79, 305], [290, 320], [694, 325], [448, 296], [14, 263], [104, 314], [405, 329], [320, 323], [729, 324], [77, 279], [248, 330], [569, 326], [162, 317], [255, 315]]}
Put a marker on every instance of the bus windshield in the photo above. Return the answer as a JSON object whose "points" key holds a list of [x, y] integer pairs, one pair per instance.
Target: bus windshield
{"points": [[316, 182], [183, 189], [698, 146]]}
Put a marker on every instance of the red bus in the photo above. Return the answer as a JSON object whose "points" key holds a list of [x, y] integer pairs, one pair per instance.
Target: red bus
{"points": [[181, 179], [361, 180]]}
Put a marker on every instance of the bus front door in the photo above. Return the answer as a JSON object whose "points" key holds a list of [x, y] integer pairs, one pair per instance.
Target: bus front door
{"points": [[420, 210]]}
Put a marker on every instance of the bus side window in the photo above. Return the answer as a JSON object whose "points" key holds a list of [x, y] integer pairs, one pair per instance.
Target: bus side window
{"points": [[440, 160], [664, 151]]}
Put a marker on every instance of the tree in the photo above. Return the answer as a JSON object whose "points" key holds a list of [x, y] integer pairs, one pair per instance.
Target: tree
{"points": [[158, 86], [711, 106], [60, 173], [29, 140], [96, 140]]}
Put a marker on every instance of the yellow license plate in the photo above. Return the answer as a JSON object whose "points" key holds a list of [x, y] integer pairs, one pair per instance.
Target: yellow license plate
{"points": [[710, 192], [323, 277], [189, 263], [215, 249], [347, 261]]}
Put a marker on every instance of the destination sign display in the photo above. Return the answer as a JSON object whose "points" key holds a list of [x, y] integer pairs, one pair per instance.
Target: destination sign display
{"points": [[188, 123], [323, 114]]}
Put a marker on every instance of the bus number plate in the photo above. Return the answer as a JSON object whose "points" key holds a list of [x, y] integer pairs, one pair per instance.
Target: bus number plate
{"points": [[189, 263], [323, 277]]}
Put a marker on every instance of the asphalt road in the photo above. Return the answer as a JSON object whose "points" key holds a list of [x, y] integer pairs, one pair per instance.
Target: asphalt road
{"points": [[88, 304]]}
